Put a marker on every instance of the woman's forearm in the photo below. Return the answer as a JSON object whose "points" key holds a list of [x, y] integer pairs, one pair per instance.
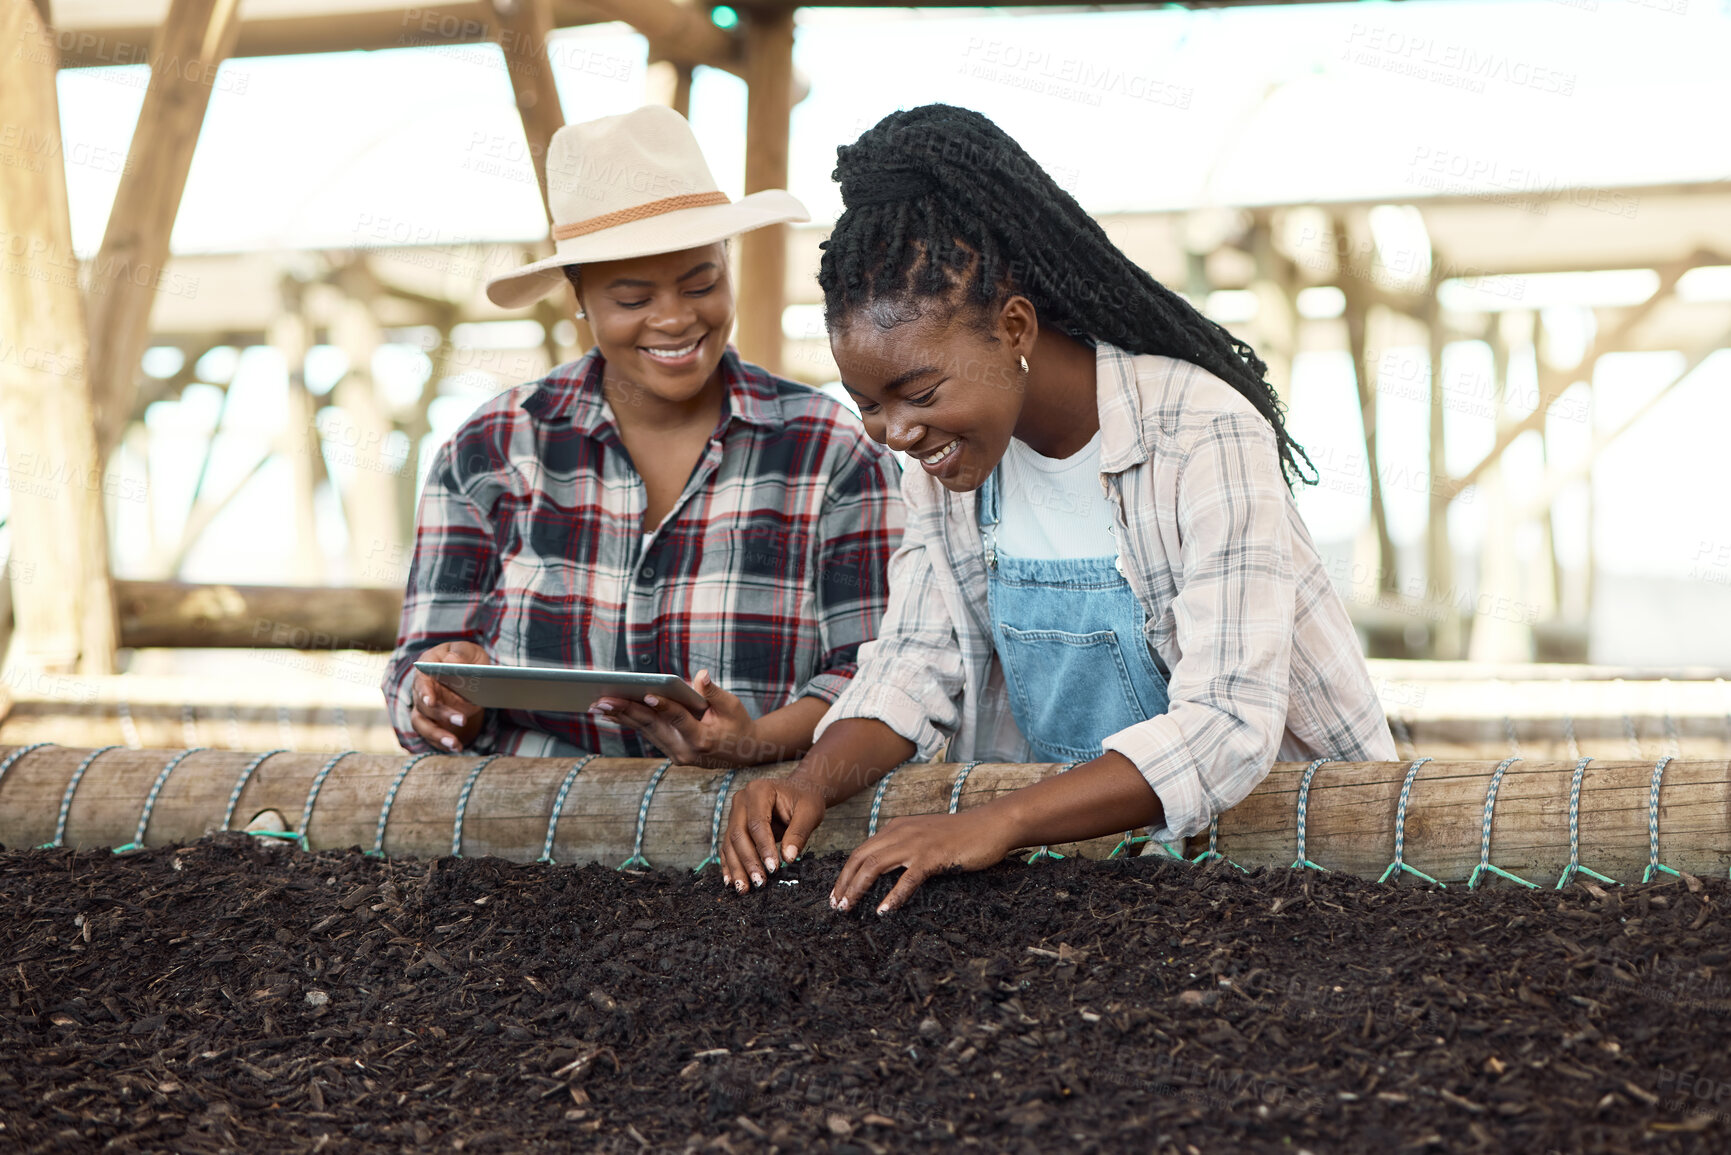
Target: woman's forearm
{"points": [[852, 754], [1105, 796], [785, 734]]}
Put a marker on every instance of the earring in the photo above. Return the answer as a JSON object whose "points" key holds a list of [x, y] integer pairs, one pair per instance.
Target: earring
{"points": [[582, 316], [1024, 364]]}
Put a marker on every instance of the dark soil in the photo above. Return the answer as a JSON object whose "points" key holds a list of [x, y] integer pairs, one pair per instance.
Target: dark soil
{"points": [[239, 996]]}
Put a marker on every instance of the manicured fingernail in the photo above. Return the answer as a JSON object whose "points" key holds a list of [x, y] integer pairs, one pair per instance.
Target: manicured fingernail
{"points": [[789, 851], [883, 910], [841, 905], [603, 708], [449, 743], [769, 865], [651, 700], [456, 719], [426, 699], [740, 886], [756, 879], [832, 902]]}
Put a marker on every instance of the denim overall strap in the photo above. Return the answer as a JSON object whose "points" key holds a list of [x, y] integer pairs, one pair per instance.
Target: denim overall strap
{"points": [[1069, 635]]}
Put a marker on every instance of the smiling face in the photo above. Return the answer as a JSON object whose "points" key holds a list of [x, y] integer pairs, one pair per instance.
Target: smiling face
{"points": [[662, 322], [941, 386]]}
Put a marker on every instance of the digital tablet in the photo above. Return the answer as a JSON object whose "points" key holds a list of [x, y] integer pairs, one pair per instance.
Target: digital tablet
{"points": [[553, 690]]}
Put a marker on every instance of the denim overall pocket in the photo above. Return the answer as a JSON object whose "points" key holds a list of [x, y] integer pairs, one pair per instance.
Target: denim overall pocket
{"points": [[1067, 687]]}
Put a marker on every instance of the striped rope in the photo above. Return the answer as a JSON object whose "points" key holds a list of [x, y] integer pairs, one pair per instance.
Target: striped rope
{"points": [[715, 823], [1046, 852], [637, 858], [559, 806], [378, 849], [1653, 824], [18, 755], [463, 804], [300, 836], [1575, 866], [128, 730], [240, 784], [150, 800], [66, 799], [1400, 864], [1303, 812], [956, 787], [878, 802], [1485, 832], [1213, 850]]}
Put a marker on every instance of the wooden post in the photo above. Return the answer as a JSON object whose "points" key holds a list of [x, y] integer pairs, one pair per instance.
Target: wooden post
{"points": [[670, 84], [523, 28], [59, 565], [196, 38], [369, 500], [300, 440], [763, 252], [1357, 292], [1350, 813], [1439, 550]]}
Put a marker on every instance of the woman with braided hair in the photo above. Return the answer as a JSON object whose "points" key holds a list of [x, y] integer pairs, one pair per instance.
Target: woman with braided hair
{"points": [[1103, 564]]}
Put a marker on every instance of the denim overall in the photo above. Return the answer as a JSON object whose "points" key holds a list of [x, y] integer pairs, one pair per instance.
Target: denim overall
{"points": [[1069, 636]]}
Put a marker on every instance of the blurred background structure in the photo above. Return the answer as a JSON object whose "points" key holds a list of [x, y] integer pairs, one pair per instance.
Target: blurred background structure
{"points": [[1480, 246]]}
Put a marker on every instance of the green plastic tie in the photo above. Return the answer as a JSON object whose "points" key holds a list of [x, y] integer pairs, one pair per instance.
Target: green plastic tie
{"points": [[1304, 812], [1575, 866], [1400, 864], [1485, 833], [637, 859], [1213, 851], [1653, 825]]}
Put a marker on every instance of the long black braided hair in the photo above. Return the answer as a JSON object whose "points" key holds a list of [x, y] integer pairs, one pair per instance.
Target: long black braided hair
{"points": [[940, 203]]}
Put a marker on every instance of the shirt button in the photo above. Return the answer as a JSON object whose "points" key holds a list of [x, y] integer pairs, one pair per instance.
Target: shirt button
{"points": [[645, 660], [647, 573], [1118, 564]]}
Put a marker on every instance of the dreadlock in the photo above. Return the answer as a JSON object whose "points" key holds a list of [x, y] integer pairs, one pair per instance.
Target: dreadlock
{"points": [[939, 202]]}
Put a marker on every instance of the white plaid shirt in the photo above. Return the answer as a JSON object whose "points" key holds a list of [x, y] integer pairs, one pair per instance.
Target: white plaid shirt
{"points": [[1261, 660]]}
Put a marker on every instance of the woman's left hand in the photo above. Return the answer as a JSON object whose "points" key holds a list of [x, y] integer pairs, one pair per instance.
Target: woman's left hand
{"points": [[724, 737], [922, 845]]}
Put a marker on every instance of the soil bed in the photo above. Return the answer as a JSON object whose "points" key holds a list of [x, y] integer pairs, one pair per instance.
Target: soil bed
{"points": [[239, 996]]}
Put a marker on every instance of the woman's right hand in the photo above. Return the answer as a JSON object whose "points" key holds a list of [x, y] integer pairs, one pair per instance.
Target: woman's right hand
{"points": [[764, 811], [442, 716]]}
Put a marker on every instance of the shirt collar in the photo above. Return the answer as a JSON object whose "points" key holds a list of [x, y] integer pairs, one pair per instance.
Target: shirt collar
{"points": [[1121, 436], [572, 392]]}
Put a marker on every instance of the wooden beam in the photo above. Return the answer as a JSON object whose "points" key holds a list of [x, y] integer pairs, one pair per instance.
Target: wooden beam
{"points": [[1350, 813], [1556, 482], [1553, 383], [1439, 550], [682, 33], [522, 30], [183, 615], [763, 252], [59, 565], [198, 36]]}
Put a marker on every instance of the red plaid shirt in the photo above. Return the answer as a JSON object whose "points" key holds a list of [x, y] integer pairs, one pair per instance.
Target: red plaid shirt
{"points": [[770, 571]]}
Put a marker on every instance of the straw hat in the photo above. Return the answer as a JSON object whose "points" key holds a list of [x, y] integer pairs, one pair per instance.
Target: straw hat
{"points": [[632, 186]]}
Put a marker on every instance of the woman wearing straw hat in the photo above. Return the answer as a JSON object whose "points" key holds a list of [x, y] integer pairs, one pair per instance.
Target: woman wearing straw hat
{"points": [[658, 505]]}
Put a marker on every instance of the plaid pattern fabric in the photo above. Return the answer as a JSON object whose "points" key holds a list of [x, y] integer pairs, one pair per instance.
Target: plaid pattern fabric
{"points": [[769, 571], [1261, 660]]}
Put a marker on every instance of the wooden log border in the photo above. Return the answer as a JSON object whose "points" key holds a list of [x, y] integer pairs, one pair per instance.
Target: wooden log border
{"points": [[535, 809]]}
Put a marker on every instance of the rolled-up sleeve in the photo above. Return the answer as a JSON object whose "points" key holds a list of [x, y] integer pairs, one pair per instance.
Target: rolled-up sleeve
{"points": [[910, 678], [859, 529], [1233, 622], [448, 596]]}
